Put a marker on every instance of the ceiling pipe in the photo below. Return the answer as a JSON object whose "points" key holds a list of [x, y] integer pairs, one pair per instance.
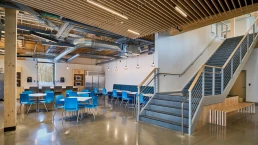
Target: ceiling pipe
{"points": [[64, 53], [73, 57]]}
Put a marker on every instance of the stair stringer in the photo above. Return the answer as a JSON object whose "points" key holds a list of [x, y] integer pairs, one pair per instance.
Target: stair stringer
{"points": [[208, 100]]}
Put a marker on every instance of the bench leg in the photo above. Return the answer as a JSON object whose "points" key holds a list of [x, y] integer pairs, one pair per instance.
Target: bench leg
{"points": [[210, 117], [225, 118]]}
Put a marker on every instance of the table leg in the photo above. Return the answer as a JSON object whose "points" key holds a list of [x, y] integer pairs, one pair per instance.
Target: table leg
{"points": [[37, 109]]}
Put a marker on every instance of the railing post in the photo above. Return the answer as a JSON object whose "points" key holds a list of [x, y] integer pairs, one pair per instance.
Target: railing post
{"points": [[231, 67], [203, 82], [216, 29], [156, 81], [138, 104], [221, 30], [247, 39], [213, 81], [222, 80], [226, 31], [190, 113], [253, 32]]}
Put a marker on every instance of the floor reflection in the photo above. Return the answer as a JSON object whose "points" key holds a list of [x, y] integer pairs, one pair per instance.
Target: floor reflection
{"points": [[116, 125]]}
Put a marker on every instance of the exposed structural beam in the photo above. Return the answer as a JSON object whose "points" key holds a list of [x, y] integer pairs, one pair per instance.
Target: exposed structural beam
{"points": [[47, 38], [28, 29], [73, 57], [50, 48], [64, 53]]}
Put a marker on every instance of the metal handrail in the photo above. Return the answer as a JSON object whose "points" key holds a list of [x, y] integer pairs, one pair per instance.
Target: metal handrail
{"points": [[235, 50]]}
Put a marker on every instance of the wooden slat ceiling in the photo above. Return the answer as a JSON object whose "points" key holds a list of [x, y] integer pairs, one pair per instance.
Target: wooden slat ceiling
{"points": [[146, 16]]}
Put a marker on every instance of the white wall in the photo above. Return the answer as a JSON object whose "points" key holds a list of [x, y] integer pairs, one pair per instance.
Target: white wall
{"points": [[251, 68], [132, 76], [176, 53], [29, 70]]}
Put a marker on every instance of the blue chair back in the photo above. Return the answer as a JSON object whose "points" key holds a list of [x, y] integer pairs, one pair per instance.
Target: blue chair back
{"points": [[84, 95], [141, 98], [24, 98], [96, 90], [67, 92], [72, 94], [47, 91], [71, 103], [58, 102], [114, 93], [27, 92], [95, 101], [104, 91], [85, 90], [124, 95], [92, 93], [50, 97]]}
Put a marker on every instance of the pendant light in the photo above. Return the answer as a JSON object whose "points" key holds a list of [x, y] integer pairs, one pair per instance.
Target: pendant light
{"points": [[153, 64], [138, 66], [116, 67], [67, 67], [36, 65], [126, 68], [108, 67]]}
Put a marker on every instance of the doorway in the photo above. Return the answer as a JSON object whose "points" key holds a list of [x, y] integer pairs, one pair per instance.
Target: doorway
{"points": [[239, 88]]}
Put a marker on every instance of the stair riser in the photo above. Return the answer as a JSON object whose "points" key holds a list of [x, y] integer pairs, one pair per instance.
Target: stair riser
{"points": [[165, 116], [167, 97], [168, 103], [164, 124], [167, 109]]}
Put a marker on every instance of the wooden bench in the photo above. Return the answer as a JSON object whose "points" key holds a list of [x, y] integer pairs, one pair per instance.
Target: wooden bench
{"points": [[218, 115]]}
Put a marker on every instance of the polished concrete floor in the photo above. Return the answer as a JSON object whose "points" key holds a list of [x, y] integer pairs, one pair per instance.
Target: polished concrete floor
{"points": [[115, 125]]}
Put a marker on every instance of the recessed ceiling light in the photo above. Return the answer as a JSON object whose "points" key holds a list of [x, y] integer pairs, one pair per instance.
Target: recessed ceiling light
{"points": [[131, 31], [107, 9], [180, 11]]}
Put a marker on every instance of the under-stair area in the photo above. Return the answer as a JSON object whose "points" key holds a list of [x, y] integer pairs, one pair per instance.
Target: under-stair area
{"points": [[164, 110]]}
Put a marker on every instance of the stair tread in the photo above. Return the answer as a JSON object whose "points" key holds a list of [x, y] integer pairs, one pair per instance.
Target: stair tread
{"points": [[168, 113], [163, 120], [170, 100]]}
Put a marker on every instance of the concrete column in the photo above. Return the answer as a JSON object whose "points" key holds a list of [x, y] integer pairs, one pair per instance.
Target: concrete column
{"points": [[232, 27], [10, 58]]}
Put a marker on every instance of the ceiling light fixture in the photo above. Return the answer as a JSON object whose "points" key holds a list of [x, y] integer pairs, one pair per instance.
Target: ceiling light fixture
{"points": [[116, 67], [67, 67], [137, 66], [107, 9], [153, 64], [131, 31], [180, 11], [108, 67]]}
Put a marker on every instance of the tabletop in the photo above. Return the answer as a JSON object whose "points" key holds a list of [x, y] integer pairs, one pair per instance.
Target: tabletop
{"points": [[80, 99], [83, 92], [37, 95], [148, 95]]}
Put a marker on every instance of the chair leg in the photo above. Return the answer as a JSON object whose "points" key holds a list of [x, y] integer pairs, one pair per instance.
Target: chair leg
{"points": [[78, 113], [62, 116], [45, 107], [54, 115], [20, 108], [29, 109], [92, 113], [121, 102]]}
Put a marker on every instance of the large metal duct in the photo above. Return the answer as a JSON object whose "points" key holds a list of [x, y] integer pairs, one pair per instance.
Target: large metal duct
{"points": [[89, 43], [97, 44]]}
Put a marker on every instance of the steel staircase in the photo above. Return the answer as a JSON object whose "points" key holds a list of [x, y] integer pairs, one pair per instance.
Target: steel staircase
{"points": [[214, 79]]}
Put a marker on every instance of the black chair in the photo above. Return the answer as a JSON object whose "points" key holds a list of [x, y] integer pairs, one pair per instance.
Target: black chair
{"points": [[45, 88], [34, 89], [58, 90], [69, 87]]}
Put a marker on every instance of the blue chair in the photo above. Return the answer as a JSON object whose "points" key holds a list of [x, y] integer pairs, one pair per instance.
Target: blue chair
{"points": [[71, 105], [46, 91], [67, 92], [83, 95], [142, 101], [115, 96], [104, 93], [25, 100], [125, 98], [72, 94], [59, 104], [96, 91], [94, 105], [85, 90], [49, 98]]}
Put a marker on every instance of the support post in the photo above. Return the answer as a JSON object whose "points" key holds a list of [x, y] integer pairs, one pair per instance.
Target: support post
{"points": [[213, 81], [10, 58], [222, 80]]}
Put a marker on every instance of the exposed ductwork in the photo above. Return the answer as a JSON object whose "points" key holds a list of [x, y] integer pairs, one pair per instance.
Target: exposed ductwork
{"points": [[97, 44], [73, 57]]}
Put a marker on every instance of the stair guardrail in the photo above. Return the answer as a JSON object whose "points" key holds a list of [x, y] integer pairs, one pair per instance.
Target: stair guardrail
{"points": [[220, 76]]}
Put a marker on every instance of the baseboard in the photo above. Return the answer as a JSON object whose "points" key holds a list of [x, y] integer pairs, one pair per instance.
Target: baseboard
{"points": [[7, 129]]}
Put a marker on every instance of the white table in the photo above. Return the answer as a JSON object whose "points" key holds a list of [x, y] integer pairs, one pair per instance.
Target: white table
{"points": [[83, 92], [147, 95], [37, 96], [80, 99]]}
